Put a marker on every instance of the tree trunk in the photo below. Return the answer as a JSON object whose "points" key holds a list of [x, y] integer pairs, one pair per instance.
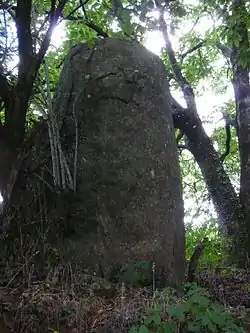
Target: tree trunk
{"points": [[225, 199], [16, 97], [113, 108], [232, 209]]}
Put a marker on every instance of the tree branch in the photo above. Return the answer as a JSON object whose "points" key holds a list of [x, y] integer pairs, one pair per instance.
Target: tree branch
{"points": [[97, 29], [192, 49], [9, 8], [28, 68], [225, 50], [182, 81], [52, 7], [81, 5], [25, 47], [194, 260], [228, 137], [89, 24], [46, 41]]}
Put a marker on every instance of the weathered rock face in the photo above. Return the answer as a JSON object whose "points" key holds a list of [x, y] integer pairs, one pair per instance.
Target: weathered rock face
{"points": [[128, 204]]}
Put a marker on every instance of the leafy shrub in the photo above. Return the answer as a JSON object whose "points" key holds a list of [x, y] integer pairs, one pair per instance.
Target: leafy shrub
{"points": [[194, 312], [215, 252]]}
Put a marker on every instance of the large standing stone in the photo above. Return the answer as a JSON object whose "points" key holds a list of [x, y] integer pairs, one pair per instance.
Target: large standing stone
{"points": [[128, 204]]}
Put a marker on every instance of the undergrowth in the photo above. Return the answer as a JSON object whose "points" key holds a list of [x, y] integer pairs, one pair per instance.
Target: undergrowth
{"points": [[55, 296], [194, 311]]}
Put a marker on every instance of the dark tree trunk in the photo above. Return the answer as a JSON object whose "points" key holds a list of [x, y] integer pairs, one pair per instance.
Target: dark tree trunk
{"points": [[241, 87], [114, 106], [16, 98], [232, 209], [225, 199], [230, 212]]}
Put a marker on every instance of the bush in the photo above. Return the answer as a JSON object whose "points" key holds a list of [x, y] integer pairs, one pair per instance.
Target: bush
{"points": [[194, 311]]}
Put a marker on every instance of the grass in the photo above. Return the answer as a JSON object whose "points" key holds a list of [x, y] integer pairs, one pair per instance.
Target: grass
{"points": [[71, 301]]}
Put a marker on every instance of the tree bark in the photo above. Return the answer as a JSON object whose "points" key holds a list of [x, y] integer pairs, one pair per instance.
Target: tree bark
{"points": [[240, 81], [225, 199]]}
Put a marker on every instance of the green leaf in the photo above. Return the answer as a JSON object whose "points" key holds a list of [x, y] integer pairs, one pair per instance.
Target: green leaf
{"points": [[205, 320], [143, 329], [217, 318], [133, 329], [200, 299], [194, 327], [212, 327], [169, 327], [177, 311], [154, 318]]}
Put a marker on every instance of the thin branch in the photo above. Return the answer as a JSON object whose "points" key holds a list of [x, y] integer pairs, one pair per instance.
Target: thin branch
{"points": [[192, 49], [53, 137], [228, 137], [81, 5], [46, 41], [89, 24], [97, 29], [182, 81], [9, 8]]}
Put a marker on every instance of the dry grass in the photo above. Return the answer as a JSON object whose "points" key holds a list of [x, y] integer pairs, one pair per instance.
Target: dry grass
{"points": [[71, 301], [68, 302]]}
